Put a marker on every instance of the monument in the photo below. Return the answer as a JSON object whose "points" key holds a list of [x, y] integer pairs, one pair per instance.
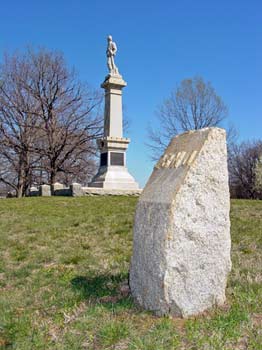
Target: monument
{"points": [[181, 251], [113, 172]]}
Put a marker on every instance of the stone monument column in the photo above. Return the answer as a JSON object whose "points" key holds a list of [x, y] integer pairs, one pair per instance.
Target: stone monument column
{"points": [[113, 173]]}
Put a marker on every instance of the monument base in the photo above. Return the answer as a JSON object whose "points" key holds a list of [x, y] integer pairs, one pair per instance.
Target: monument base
{"points": [[114, 177]]}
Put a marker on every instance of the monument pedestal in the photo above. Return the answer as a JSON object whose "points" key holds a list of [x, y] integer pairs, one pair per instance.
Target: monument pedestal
{"points": [[113, 173], [114, 178]]}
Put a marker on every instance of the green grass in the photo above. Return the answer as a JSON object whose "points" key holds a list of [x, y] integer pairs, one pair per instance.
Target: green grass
{"points": [[63, 274]]}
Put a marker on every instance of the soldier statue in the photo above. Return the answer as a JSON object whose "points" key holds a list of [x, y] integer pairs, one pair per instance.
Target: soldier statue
{"points": [[110, 53]]}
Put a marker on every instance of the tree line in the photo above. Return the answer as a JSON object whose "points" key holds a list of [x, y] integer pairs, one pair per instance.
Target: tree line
{"points": [[49, 122]]}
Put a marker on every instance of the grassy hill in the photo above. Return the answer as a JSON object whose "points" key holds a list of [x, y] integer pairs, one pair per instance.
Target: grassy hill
{"points": [[63, 281]]}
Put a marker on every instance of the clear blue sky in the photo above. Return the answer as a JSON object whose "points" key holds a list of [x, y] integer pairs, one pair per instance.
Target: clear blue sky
{"points": [[160, 43]]}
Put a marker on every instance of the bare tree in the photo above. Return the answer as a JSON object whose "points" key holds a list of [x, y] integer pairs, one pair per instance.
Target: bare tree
{"points": [[79, 168], [244, 165], [258, 177], [48, 118], [193, 105], [18, 124], [68, 111]]}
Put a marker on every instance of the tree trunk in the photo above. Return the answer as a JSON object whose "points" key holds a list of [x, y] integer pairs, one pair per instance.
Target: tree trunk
{"points": [[21, 177], [19, 192], [52, 177]]}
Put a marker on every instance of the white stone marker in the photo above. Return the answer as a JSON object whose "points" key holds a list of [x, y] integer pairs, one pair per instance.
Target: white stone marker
{"points": [[33, 191], [76, 190], [45, 190], [181, 253], [56, 187], [113, 172]]}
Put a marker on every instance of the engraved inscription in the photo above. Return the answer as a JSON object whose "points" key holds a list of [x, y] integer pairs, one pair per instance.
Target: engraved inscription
{"points": [[117, 158], [174, 160]]}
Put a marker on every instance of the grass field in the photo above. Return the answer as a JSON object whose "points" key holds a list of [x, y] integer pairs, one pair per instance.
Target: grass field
{"points": [[63, 281]]}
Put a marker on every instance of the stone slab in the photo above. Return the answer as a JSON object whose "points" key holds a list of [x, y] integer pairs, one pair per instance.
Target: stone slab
{"points": [[76, 190], [33, 191], [181, 251], [45, 190]]}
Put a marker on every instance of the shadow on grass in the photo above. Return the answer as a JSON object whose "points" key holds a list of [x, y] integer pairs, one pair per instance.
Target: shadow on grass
{"points": [[101, 286], [111, 291]]}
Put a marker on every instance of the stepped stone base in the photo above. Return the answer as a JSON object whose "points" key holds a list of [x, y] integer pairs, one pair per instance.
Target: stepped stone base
{"points": [[93, 191], [114, 178]]}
